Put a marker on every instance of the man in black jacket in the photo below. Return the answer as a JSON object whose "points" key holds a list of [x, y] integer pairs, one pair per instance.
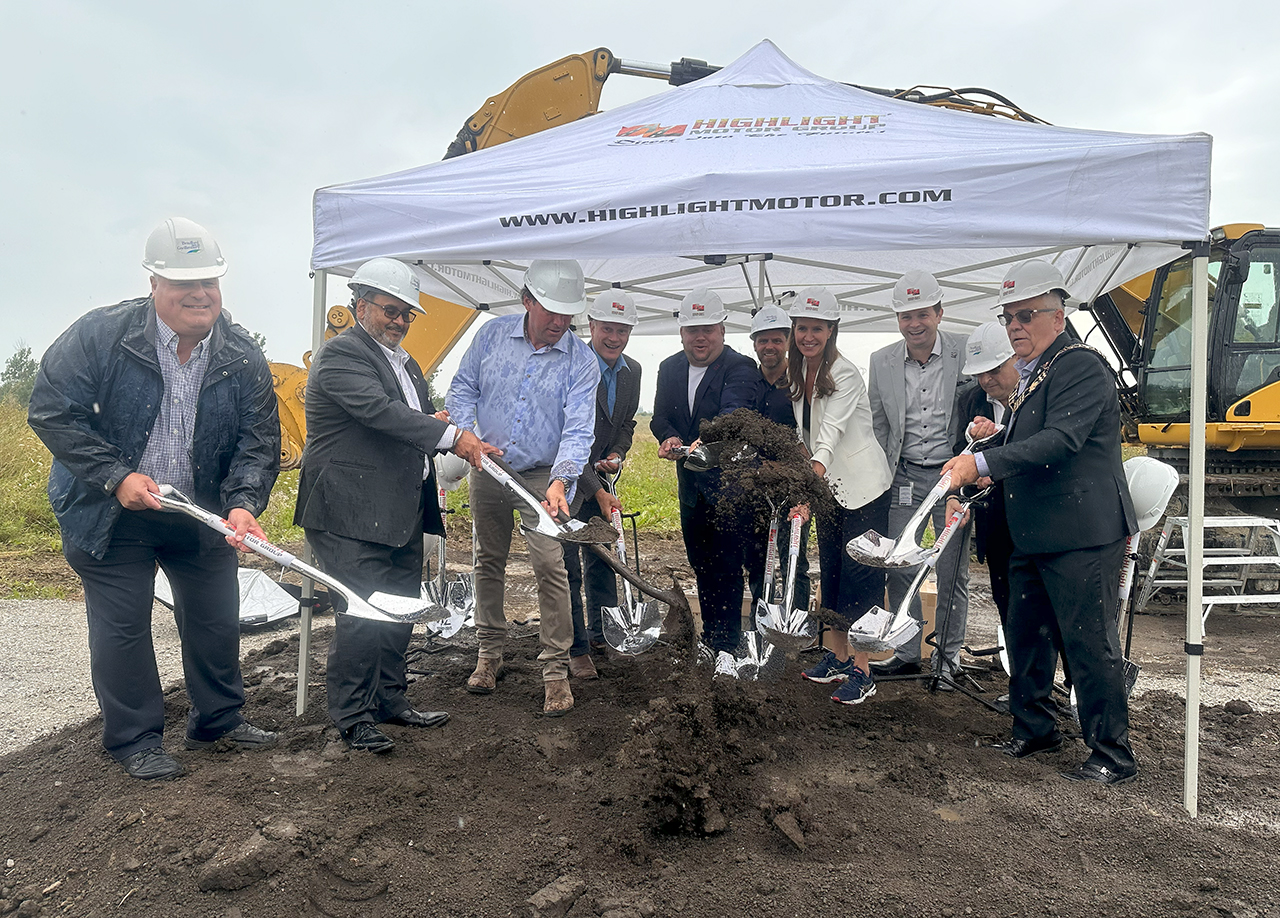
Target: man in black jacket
{"points": [[610, 319], [705, 380], [1069, 512], [160, 390], [367, 494]]}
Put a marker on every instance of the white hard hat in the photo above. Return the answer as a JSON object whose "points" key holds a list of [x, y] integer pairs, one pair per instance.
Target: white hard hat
{"points": [[450, 470], [916, 290], [557, 285], [614, 306], [1151, 484], [987, 348], [701, 306], [1030, 279], [815, 303], [770, 318], [392, 277], [180, 249]]}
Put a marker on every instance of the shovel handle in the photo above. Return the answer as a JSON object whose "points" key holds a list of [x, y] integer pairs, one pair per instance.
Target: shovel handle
{"points": [[513, 479], [218, 524]]}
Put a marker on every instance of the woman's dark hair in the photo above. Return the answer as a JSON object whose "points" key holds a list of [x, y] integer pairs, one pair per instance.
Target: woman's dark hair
{"points": [[824, 385]]}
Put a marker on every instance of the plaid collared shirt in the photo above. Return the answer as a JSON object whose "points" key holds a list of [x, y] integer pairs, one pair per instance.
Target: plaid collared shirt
{"points": [[167, 458]]}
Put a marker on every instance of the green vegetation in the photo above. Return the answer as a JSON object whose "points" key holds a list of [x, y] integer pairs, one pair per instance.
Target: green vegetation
{"points": [[18, 377], [26, 519], [648, 486]]}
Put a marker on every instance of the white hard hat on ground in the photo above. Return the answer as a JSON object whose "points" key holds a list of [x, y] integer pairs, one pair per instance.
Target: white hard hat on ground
{"points": [[180, 250], [614, 306], [1151, 484], [987, 348], [770, 318], [916, 290], [1030, 279], [701, 306], [450, 470], [392, 277], [815, 303], [557, 285]]}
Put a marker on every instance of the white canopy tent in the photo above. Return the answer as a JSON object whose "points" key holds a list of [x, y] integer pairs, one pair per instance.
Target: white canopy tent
{"points": [[764, 177]]}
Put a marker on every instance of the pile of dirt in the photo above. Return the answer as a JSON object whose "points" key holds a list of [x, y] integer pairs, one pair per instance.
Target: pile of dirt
{"points": [[663, 792]]}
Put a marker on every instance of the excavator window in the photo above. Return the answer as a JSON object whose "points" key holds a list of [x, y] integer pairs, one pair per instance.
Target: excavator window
{"points": [[1167, 383], [1255, 341]]}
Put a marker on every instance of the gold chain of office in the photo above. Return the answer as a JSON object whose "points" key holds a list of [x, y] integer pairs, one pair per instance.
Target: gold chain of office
{"points": [[1042, 373]]}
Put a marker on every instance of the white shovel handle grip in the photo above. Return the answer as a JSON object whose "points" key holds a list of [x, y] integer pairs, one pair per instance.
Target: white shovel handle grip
{"points": [[953, 523], [615, 517], [261, 546], [796, 525]]}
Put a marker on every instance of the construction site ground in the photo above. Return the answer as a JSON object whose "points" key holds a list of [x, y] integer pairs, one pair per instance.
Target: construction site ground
{"points": [[662, 793]]}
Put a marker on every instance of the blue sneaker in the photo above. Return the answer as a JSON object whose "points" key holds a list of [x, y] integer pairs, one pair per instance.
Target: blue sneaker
{"points": [[856, 689], [829, 669]]}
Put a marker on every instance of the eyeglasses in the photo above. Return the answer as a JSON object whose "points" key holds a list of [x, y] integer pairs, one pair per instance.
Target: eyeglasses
{"points": [[1022, 315], [394, 312]]}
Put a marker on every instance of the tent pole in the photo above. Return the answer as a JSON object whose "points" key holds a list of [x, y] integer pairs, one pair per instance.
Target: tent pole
{"points": [[760, 298], [1195, 521], [318, 314]]}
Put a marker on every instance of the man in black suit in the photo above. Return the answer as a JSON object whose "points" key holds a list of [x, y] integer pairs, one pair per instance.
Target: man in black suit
{"points": [[705, 380], [610, 319], [367, 494], [1069, 512]]}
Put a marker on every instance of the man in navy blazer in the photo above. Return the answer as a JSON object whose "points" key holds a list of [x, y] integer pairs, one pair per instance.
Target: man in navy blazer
{"points": [[610, 319], [705, 380], [1069, 512], [367, 494]]}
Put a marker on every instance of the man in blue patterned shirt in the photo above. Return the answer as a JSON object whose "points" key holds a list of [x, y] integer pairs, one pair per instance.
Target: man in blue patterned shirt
{"points": [[163, 389], [528, 388]]}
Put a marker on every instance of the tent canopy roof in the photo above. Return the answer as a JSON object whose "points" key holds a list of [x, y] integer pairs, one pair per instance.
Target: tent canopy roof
{"points": [[764, 177]]}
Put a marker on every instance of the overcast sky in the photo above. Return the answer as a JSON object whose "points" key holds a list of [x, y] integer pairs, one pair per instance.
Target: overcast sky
{"points": [[116, 115]]}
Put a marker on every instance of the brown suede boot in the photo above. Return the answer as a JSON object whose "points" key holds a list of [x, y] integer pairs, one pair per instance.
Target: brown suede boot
{"points": [[559, 699], [485, 678], [583, 667]]}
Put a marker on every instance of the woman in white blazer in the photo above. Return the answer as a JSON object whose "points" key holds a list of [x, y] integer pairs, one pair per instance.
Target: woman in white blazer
{"points": [[832, 410]]}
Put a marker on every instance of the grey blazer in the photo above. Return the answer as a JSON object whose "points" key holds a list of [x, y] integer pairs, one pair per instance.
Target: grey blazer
{"points": [[363, 462], [887, 389], [614, 432]]}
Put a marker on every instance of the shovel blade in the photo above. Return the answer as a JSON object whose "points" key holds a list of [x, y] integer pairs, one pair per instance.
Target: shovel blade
{"points": [[789, 634], [406, 609], [756, 659], [631, 636], [880, 630], [870, 548]]}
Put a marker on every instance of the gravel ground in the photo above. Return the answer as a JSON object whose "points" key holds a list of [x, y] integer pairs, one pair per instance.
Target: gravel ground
{"points": [[44, 664]]}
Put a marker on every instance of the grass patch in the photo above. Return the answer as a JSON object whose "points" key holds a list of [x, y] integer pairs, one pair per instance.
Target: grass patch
{"points": [[32, 589], [647, 486], [26, 519]]}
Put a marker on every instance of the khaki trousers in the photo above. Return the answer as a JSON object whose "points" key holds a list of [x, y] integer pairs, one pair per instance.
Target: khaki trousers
{"points": [[491, 508]]}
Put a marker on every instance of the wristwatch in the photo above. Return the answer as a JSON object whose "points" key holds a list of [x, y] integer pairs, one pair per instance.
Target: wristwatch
{"points": [[567, 482]]}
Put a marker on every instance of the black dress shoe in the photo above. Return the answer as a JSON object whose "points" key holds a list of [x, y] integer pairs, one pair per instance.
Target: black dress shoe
{"points": [[1021, 748], [895, 666], [411, 718], [246, 736], [365, 737], [1099, 774], [152, 764]]}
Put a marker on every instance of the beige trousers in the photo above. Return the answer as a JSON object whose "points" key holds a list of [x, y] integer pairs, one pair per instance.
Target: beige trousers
{"points": [[491, 508]]}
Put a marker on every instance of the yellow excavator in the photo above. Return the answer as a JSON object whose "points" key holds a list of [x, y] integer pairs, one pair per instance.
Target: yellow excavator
{"points": [[1146, 322]]}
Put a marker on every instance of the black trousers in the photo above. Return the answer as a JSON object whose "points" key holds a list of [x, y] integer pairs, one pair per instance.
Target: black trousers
{"points": [[119, 591], [1069, 599], [716, 556], [585, 569], [365, 679], [850, 589]]}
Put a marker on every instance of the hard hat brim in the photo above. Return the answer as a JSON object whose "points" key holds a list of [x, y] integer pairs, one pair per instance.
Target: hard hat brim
{"points": [[691, 321], [188, 274], [559, 308], [983, 366]]}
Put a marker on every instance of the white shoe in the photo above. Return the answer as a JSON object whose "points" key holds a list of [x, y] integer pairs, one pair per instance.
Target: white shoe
{"points": [[725, 666]]}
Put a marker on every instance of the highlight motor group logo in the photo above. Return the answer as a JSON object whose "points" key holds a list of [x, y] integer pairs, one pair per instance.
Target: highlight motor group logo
{"points": [[769, 126]]}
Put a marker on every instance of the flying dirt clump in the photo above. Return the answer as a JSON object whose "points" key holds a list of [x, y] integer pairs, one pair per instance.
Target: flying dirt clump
{"points": [[780, 472]]}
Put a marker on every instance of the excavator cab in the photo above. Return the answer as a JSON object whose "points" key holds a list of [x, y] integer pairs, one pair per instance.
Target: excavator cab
{"points": [[1148, 324]]}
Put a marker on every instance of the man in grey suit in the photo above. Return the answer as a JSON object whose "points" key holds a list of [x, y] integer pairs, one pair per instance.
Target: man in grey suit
{"points": [[611, 317], [912, 390], [367, 494]]}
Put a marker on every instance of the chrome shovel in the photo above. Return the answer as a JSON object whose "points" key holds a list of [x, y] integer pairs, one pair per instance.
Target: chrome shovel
{"points": [[636, 628], [786, 628], [455, 593], [382, 607], [543, 523]]}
